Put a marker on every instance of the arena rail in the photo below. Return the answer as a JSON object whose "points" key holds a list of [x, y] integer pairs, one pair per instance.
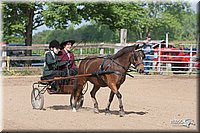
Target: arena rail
{"points": [[6, 59], [172, 61], [156, 63]]}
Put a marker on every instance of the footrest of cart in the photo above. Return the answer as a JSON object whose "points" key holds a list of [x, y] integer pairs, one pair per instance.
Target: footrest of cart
{"points": [[64, 89]]}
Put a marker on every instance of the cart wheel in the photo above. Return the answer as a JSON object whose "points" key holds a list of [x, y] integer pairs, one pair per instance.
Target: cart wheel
{"points": [[37, 99], [79, 102]]}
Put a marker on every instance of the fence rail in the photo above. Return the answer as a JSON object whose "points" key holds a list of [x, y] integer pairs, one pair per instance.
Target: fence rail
{"points": [[171, 61], [44, 47], [156, 64], [31, 58]]}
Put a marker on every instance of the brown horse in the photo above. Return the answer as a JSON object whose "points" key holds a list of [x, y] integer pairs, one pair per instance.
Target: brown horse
{"points": [[114, 70]]}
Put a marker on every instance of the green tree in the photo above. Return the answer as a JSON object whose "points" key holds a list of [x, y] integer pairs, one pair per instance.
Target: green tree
{"points": [[42, 37], [61, 15], [86, 33], [163, 17], [189, 28], [108, 18], [115, 15], [19, 19]]}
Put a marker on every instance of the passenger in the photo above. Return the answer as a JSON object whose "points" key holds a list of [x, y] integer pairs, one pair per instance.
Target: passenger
{"points": [[68, 56], [52, 65]]}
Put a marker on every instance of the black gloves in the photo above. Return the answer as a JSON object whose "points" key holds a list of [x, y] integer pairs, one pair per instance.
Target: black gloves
{"points": [[67, 61]]}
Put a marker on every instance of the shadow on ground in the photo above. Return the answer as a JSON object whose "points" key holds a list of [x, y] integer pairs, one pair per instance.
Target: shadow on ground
{"points": [[112, 112]]}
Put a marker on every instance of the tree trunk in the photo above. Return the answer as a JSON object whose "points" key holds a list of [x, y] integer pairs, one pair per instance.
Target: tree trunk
{"points": [[28, 32]]}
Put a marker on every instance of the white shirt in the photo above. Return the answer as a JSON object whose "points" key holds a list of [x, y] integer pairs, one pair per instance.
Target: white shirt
{"points": [[67, 53]]}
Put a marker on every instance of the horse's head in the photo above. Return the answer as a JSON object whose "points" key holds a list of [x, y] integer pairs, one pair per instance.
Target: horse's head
{"points": [[137, 57]]}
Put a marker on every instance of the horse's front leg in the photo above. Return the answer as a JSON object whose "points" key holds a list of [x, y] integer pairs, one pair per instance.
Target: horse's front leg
{"points": [[114, 89], [77, 92], [107, 110], [121, 109], [93, 93]]}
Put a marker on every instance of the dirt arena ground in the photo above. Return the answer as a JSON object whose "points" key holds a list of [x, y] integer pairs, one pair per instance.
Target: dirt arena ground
{"points": [[150, 103]]}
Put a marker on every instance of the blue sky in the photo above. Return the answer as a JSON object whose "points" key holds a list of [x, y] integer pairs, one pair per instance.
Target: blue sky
{"points": [[41, 28]]}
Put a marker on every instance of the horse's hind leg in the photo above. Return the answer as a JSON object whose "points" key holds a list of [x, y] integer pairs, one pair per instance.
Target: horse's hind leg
{"points": [[109, 102], [93, 93]]}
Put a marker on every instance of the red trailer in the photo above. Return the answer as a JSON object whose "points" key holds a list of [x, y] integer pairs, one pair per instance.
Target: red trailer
{"points": [[179, 59]]}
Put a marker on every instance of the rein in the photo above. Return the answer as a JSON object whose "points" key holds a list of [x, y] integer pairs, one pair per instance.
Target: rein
{"points": [[113, 61], [90, 58], [118, 64], [137, 64]]}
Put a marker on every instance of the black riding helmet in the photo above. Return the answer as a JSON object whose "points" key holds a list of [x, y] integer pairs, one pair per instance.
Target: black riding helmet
{"points": [[54, 44]]}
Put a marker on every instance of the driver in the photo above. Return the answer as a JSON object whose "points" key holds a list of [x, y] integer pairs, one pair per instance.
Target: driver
{"points": [[52, 65]]}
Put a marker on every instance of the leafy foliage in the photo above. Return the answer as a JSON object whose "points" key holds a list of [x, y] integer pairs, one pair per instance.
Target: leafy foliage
{"points": [[107, 19], [115, 15], [86, 33], [59, 15], [16, 17]]}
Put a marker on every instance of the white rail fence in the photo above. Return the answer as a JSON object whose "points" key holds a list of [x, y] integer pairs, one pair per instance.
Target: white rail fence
{"points": [[161, 61], [167, 61]]}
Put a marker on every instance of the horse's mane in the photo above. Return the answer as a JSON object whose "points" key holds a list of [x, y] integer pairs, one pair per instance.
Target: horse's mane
{"points": [[123, 51]]}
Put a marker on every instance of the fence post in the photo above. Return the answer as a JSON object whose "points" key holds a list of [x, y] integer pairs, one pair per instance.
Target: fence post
{"points": [[8, 63], [101, 50], [123, 39], [159, 50], [3, 55], [190, 66], [123, 36], [81, 51], [167, 38]]}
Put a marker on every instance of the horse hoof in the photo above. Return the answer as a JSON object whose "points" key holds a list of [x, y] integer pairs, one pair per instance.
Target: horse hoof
{"points": [[107, 113], [74, 110], [96, 110], [121, 113]]}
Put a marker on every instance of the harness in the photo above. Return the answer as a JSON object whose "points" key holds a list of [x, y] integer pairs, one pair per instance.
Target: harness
{"points": [[103, 71], [103, 68]]}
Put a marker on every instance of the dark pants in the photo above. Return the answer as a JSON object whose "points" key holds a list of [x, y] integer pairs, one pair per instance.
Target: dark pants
{"points": [[147, 63], [60, 73], [56, 73], [73, 71]]}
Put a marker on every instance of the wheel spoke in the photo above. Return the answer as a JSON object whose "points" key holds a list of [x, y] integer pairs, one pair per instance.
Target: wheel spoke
{"points": [[37, 99]]}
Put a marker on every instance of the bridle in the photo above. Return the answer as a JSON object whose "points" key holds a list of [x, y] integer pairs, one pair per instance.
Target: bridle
{"points": [[134, 57], [136, 63]]}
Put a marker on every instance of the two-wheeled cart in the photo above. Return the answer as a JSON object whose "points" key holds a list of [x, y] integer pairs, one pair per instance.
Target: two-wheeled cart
{"points": [[42, 86]]}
